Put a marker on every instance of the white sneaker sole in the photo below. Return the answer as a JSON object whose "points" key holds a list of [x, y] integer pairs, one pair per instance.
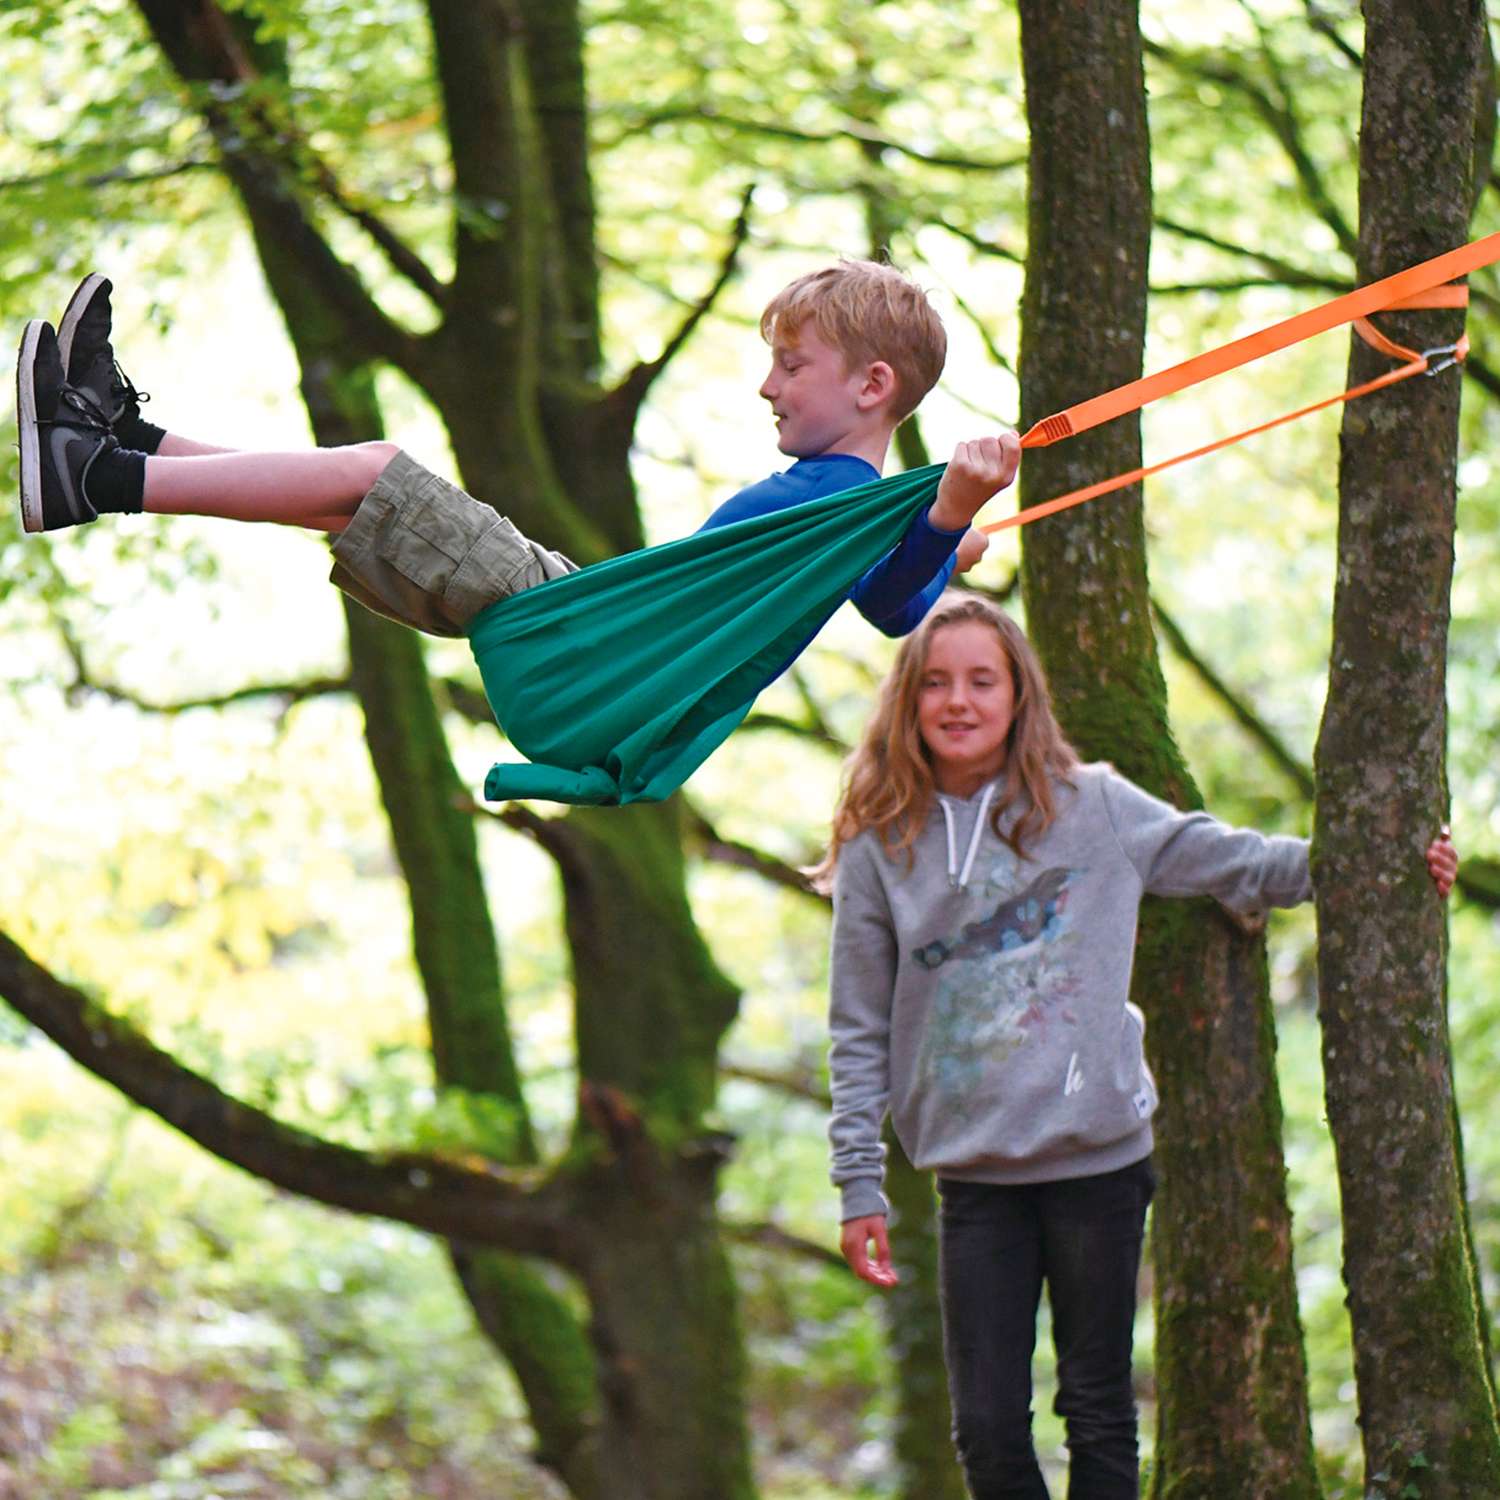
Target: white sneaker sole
{"points": [[31, 452], [73, 315]]}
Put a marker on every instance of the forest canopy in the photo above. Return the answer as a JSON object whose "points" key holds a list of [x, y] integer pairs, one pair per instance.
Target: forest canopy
{"points": [[529, 1106]]}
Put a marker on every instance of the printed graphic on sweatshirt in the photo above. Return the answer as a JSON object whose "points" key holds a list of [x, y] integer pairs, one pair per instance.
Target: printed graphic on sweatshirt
{"points": [[1004, 980]]}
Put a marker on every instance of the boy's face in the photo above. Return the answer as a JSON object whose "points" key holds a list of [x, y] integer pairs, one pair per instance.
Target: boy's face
{"points": [[820, 406]]}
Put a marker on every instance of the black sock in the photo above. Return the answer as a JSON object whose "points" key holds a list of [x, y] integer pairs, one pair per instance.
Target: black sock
{"points": [[140, 435], [115, 481]]}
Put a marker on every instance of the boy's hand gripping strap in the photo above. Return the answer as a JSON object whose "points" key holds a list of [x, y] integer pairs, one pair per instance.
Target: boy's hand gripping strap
{"points": [[1420, 286]]}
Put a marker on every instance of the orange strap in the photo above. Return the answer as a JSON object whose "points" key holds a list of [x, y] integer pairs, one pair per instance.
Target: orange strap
{"points": [[1418, 286]]}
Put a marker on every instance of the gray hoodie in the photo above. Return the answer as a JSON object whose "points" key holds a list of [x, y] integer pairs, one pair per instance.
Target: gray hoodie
{"points": [[983, 1000]]}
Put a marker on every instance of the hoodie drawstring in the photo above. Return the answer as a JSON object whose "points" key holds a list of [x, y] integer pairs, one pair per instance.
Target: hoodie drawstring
{"points": [[957, 879]]}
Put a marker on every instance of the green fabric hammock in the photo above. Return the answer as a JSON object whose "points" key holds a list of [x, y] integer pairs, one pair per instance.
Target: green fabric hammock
{"points": [[617, 682]]}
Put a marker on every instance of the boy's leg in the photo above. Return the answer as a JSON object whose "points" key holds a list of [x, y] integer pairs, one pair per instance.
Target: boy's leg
{"points": [[321, 488], [84, 341], [174, 445], [73, 467], [315, 490], [422, 552], [412, 546]]}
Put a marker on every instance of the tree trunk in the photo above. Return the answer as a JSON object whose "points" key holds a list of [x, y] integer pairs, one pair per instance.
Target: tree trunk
{"points": [[926, 1461], [651, 1011], [1233, 1415], [926, 1464], [453, 938], [665, 1416], [1426, 1390]]}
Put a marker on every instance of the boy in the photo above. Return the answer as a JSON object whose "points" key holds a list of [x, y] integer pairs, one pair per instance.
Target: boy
{"points": [[854, 349]]}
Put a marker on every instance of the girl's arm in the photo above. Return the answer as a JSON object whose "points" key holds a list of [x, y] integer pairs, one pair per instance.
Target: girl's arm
{"points": [[861, 985], [1178, 853], [1192, 854]]}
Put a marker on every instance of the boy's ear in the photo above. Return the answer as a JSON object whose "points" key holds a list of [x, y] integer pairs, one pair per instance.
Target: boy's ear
{"points": [[879, 387]]}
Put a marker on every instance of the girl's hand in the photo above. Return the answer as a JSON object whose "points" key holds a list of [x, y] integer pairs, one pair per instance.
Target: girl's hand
{"points": [[1442, 862], [855, 1237]]}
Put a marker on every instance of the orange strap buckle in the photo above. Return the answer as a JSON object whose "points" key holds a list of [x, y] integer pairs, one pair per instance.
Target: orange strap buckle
{"points": [[1428, 284]]}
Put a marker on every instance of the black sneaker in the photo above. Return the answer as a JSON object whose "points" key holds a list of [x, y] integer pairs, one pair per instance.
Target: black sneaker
{"points": [[88, 357], [62, 434]]}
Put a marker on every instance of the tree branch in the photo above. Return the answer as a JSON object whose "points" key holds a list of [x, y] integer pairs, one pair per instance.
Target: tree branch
{"points": [[768, 1236], [1266, 737], [804, 1083], [706, 114], [55, 1239], [550, 834], [1479, 880], [978, 242], [112, 176], [398, 253], [1324, 26], [815, 715], [199, 41], [818, 734], [1288, 130], [1482, 374], [468, 1200], [1002, 595], [631, 392], [289, 693], [1282, 120], [712, 846], [995, 352], [1227, 286], [466, 701], [1478, 877], [1283, 271]]}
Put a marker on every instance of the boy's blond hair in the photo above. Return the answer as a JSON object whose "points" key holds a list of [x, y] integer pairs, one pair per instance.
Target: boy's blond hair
{"points": [[867, 311]]}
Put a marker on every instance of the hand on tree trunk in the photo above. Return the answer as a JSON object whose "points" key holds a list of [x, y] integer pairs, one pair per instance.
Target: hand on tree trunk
{"points": [[1442, 862]]}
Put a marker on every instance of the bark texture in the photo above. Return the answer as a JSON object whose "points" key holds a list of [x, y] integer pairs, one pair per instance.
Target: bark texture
{"points": [[1232, 1414], [1422, 1366], [925, 1458], [646, 1402], [926, 1461]]}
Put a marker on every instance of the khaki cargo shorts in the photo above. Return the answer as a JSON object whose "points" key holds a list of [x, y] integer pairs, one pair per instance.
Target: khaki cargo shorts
{"points": [[422, 552]]}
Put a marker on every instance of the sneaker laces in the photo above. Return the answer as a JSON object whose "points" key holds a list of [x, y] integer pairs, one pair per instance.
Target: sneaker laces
{"points": [[124, 391], [81, 411]]}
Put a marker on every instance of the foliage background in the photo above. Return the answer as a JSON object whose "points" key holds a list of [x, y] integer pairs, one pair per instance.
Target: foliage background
{"points": [[170, 1328]]}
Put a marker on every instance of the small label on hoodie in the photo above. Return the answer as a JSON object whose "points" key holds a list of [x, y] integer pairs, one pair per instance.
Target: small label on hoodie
{"points": [[1142, 1102], [1073, 1083]]}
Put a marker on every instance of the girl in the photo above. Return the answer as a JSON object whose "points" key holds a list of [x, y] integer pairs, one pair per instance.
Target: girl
{"points": [[986, 885]]}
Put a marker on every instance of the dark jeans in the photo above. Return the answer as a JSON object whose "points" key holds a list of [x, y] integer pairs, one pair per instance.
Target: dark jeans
{"points": [[1082, 1236]]}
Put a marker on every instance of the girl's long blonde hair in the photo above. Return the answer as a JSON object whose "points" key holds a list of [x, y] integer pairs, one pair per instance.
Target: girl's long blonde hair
{"points": [[888, 782]]}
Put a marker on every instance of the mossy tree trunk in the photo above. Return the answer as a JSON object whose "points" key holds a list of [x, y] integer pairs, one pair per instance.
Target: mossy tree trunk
{"points": [[651, 1010], [454, 945], [926, 1461], [1427, 1406], [647, 1403], [1232, 1415], [925, 1457]]}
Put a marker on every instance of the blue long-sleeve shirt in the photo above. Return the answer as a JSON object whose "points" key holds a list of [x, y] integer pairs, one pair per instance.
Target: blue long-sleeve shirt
{"points": [[898, 591]]}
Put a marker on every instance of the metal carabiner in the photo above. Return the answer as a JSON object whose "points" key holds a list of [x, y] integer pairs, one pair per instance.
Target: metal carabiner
{"points": [[1449, 350]]}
